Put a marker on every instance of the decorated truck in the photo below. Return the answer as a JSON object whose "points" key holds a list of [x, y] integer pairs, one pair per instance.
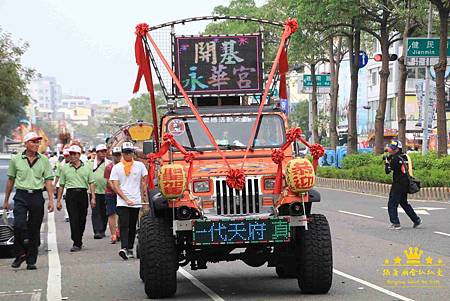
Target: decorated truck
{"points": [[226, 179]]}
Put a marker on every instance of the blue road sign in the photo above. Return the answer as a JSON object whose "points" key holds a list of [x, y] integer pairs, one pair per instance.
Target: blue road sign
{"points": [[363, 59]]}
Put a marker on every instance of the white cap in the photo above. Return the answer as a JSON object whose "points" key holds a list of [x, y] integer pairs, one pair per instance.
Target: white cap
{"points": [[100, 147], [127, 146], [31, 136], [66, 152], [116, 150], [75, 149]]}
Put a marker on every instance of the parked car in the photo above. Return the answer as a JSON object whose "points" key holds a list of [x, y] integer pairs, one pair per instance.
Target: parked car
{"points": [[6, 216]]}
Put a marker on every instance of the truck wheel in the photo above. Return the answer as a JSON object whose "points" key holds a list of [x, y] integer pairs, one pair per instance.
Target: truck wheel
{"points": [[158, 262], [285, 272], [315, 264]]}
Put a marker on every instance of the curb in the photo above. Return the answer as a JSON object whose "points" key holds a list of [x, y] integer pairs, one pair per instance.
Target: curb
{"points": [[441, 194]]}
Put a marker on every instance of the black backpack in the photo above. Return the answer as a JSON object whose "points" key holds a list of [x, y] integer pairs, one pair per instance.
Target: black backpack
{"points": [[413, 183]]}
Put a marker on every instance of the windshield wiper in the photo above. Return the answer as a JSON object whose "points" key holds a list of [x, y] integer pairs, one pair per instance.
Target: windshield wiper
{"points": [[190, 148], [232, 146]]}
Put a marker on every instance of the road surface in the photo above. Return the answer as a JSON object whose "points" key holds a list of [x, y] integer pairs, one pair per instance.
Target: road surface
{"points": [[361, 244]]}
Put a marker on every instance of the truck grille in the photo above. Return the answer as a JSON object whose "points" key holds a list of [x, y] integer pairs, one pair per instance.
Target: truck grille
{"points": [[232, 201], [5, 233]]}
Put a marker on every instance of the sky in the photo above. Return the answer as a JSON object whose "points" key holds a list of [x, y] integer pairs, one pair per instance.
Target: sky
{"points": [[88, 45]]}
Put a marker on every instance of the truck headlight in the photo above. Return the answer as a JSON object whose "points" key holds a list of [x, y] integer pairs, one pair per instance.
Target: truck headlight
{"points": [[269, 183], [201, 186]]}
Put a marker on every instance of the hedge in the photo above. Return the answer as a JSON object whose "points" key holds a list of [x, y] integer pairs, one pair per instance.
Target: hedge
{"points": [[431, 170]]}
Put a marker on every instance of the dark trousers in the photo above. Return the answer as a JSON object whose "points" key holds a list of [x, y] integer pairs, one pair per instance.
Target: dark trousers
{"points": [[99, 218], [127, 225], [28, 215], [400, 198], [77, 206]]}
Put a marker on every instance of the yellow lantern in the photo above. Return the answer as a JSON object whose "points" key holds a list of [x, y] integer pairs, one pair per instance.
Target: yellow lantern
{"points": [[300, 175], [172, 180]]}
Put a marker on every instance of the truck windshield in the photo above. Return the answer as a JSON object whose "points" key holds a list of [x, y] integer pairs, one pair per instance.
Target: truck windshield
{"points": [[230, 132]]}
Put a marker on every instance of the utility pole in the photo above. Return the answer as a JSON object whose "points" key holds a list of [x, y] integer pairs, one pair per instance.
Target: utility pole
{"points": [[426, 101], [310, 120]]}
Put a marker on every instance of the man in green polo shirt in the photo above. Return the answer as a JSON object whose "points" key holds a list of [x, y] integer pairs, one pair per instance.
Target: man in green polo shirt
{"points": [[99, 218], [29, 172], [76, 177]]}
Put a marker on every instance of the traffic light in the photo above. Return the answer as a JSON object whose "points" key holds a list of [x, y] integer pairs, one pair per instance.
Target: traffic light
{"points": [[378, 57]]}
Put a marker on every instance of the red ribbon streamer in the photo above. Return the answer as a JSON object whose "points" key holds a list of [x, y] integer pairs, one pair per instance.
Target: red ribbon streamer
{"points": [[283, 69], [141, 53]]}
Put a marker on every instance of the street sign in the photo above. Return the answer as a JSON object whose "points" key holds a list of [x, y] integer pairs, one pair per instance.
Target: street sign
{"points": [[323, 80], [363, 59], [424, 51]]}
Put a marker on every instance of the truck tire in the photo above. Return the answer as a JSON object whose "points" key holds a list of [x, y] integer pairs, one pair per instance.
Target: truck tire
{"points": [[158, 258], [315, 262]]}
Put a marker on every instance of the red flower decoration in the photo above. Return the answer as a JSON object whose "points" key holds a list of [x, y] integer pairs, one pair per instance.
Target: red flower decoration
{"points": [[189, 157], [277, 156], [292, 24], [293, 134], [316, 150], [142, 29], [236, 179]]}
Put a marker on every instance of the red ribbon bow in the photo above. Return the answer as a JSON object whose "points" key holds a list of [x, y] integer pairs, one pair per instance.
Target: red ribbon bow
{"points": [[236, 179], [142, 29], [291, 24]]}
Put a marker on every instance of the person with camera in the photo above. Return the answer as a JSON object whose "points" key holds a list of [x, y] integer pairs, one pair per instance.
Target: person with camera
{"points": [[398, 163]]}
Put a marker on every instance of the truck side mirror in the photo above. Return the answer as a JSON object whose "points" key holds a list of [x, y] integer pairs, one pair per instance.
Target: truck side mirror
{"points": [[149, 147]]}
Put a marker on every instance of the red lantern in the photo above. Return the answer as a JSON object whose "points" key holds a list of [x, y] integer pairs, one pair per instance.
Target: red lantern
{"points": [[300, 175], [172, 180]]}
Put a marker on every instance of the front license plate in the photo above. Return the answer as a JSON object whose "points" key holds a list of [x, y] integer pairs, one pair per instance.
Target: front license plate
{"points": [[240, 231]]}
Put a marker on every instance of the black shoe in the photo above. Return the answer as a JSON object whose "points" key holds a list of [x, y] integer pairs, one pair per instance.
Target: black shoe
{"points": [[18, 261], [417, 223], [31, 267], [75, 249], [98, 236], [123, 254]]}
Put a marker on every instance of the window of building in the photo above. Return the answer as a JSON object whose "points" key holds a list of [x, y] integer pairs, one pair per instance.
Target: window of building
{"points": [[391, 75], [391, 109], [373, 77]]}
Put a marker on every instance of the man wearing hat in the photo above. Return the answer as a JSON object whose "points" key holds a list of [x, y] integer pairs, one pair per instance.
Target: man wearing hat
{"points": [[111, 196], [76, 177], [29, 172], [398, 163], [129, 182], [99, 218]]}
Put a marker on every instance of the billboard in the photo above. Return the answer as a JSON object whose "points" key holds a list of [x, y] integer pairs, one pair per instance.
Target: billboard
{"points": [[219, 65]]}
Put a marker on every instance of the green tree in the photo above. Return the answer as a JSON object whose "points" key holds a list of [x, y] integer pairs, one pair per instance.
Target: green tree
{"points": [[13, 80], [443, 7], [299, 115], [141, 108]]}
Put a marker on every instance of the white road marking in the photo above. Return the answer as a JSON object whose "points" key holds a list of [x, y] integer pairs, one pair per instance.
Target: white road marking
{"points": [[383, 197], [442, 233], [200, 285], [54, 265], [356, 214], [371, 285], [420, 210]]}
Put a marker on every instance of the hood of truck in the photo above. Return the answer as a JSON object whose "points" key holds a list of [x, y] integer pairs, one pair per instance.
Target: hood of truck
{"points": [[209, 164]]}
